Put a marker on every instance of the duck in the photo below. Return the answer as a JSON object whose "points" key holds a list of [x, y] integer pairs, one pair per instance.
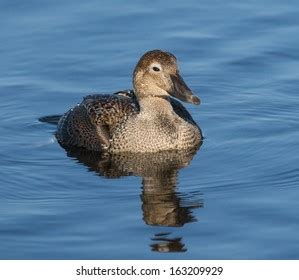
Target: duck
{"points": [[147, 119]]}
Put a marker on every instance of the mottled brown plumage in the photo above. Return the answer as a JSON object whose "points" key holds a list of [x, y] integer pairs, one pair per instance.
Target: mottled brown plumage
{"points": [[146, 120]]}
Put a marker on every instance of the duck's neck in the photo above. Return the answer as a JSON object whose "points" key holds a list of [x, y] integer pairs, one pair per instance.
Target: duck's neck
{"points": [[153, 106]]}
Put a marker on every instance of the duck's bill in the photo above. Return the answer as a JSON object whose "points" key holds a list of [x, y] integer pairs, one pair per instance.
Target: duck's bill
{"points": [[182, 91]]}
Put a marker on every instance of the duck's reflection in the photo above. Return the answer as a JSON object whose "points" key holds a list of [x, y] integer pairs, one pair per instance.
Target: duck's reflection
{"points": [[164, 244], [162, 205]]}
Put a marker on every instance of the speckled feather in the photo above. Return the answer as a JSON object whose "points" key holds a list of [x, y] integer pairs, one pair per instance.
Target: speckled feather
{"points": [[88, 124]]}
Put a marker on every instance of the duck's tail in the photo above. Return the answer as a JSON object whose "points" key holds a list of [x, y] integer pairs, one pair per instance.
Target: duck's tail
{"points": [[54, 119]]}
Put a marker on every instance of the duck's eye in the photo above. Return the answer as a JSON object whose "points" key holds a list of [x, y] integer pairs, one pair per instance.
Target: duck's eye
{"points": [[156, 69]]}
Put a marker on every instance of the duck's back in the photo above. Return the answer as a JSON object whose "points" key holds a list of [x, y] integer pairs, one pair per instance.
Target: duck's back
{"points": [[88, 124]]}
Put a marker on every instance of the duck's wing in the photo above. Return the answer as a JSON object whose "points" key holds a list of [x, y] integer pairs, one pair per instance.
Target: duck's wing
{"points": [[88, 125]]}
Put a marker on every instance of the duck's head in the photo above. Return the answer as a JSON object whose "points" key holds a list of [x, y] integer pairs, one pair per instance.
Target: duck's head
{"points": [[157, 75]]}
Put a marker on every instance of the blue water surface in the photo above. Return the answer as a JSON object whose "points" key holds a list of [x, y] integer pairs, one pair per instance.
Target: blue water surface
{"points": [[238, 198]]}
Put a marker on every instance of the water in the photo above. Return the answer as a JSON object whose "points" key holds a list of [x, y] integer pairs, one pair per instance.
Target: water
{"points": [[237, 199]]}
